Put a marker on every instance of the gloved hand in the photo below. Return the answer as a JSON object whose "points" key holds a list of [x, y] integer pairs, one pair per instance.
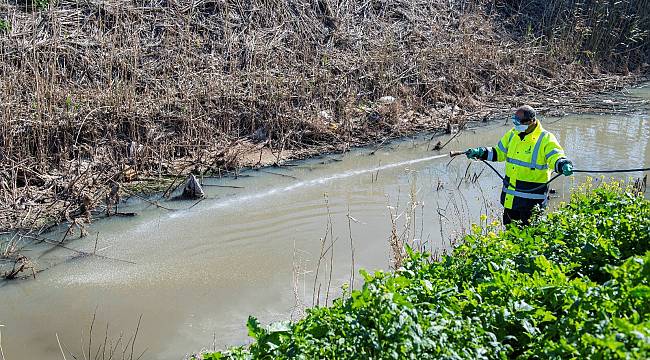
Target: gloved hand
{"points": [[567, 169], [474, 153]]}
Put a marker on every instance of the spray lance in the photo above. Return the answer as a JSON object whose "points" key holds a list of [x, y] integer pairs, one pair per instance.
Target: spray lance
{"points": [[453, 154]]}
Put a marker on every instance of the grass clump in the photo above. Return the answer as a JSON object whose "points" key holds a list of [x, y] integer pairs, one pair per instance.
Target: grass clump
{"points": [[574, 284]]}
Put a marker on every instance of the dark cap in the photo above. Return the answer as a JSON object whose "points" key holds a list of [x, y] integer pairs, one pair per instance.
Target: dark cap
{"points": [[528, 111]]}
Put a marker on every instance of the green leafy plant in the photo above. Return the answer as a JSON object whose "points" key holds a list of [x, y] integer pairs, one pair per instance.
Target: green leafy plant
{"points": [[574, 284], [5, 26], [41, 4]]}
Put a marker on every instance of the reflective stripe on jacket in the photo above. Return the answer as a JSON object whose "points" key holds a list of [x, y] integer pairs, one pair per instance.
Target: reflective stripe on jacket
{"points": [[529, 163]]}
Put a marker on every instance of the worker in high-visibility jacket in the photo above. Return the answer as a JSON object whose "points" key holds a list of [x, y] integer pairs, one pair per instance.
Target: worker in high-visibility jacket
{"points": [[531, 154]]}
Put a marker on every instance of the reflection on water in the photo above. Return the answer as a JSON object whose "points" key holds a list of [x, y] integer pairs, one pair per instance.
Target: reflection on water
{"points": [[199, 273]]}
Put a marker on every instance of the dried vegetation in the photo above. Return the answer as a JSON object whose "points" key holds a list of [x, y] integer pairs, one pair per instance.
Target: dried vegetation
{"points": [[100, 93]]}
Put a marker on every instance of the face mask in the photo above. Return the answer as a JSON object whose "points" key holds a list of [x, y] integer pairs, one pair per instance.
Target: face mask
{"points": [[518, 125]]}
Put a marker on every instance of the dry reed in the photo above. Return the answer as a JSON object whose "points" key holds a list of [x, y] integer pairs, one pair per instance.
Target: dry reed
{"points": [[102, 92]]}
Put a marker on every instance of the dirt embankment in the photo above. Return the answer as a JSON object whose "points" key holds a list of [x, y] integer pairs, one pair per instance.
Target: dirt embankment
{"points": [[100, 94]]}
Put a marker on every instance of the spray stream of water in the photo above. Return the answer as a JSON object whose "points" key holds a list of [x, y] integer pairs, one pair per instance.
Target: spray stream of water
{"points": [[320, 181], [308, 183]]}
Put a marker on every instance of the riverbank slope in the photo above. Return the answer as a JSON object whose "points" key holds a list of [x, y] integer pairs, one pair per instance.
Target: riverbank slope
{"points": [[99, 95]]}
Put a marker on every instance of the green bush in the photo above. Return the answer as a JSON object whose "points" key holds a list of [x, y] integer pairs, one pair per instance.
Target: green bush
{"points": [[574, 284]]}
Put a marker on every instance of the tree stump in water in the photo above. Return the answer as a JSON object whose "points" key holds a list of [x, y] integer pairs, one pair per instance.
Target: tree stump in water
{"points": [[193, 189]]}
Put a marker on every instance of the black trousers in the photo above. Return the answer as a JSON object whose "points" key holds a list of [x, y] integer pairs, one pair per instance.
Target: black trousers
{"points": [[523, 215]]}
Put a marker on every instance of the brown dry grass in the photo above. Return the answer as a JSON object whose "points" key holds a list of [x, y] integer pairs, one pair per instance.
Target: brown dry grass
{"points": [[100, 91]]}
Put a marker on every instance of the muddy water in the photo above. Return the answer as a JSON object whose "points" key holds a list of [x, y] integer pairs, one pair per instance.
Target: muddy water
{"points": [[195, 275]]}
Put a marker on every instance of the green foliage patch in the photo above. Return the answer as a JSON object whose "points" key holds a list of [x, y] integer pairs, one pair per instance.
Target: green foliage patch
{"points": [[41, 4], [573, 285], [5, 26]]}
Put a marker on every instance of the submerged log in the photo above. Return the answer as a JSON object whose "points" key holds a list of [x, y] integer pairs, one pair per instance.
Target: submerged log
{"points": [[193, 189]]}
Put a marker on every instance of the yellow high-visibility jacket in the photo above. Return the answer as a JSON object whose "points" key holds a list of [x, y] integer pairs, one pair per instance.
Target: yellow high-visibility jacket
{"points": [[529, 163]]}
